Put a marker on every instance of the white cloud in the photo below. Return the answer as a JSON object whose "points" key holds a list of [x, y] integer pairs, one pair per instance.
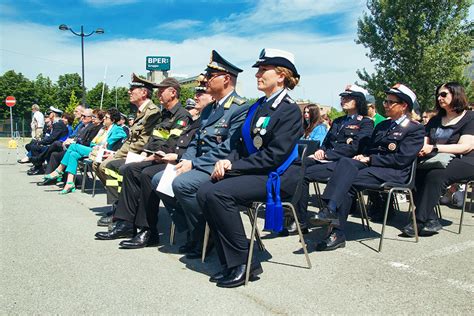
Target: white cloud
{"points": [[108, 3], [270, 13], [326, 65], [178, 25]]}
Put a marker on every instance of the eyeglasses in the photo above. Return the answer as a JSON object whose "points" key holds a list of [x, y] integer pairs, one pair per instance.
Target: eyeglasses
{"points": [[94, 116], [213, 75], [389, 102], [85, 115], [443, 94]]}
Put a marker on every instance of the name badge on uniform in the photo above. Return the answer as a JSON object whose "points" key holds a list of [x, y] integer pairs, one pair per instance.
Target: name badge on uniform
{"points": [[392, 146]]}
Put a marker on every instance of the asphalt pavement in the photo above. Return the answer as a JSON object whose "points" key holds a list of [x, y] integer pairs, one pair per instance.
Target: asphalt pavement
{"points": [[50, 263]]}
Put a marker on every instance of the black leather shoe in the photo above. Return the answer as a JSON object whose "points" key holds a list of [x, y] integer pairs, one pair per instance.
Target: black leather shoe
{"points": [[122, 229], [236, 276], [293, 230], [35, 171], [324, 217], [220, 275], [143, 239], [47, 182], [332, 242], [105, 221], [431, 227], [409, 229]]}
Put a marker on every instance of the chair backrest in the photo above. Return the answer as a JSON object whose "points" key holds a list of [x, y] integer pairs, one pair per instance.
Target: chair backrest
{"points": [[411, 180], [312, 146]]}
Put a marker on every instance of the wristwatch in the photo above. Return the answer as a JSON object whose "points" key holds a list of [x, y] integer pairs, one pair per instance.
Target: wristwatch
{"points": [[435, 149]]}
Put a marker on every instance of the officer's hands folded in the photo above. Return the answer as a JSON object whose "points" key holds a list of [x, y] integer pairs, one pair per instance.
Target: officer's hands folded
{"points": [[220, 168]]}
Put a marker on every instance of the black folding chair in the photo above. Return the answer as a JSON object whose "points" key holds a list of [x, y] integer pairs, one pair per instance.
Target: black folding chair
{"points": [[390, 188]]}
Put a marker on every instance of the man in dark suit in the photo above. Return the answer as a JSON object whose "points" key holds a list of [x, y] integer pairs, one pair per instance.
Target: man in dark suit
{"points": [[37, 148], [393, 147], [216, 137]]}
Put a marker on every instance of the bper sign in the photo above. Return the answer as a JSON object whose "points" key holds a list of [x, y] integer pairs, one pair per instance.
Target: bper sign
{"points": [[161, 63]]}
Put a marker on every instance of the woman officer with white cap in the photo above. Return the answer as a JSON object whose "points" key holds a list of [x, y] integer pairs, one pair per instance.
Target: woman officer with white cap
{"points": [[266, 154]]}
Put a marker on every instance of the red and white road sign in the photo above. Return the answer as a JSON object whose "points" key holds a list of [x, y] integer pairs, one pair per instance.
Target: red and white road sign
{"points": [[10, 101]]}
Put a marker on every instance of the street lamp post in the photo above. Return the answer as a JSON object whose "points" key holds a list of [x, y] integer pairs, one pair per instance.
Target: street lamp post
{"points": [[64, 27], [116, 89]]}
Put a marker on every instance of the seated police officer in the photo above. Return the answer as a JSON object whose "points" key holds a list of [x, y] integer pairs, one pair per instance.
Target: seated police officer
{"points": [[216, 137], [346, 138], [393, 147], [267, 150]]}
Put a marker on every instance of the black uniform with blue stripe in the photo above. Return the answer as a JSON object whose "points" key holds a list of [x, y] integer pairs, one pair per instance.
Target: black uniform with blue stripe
{"points": [[246, 181]]}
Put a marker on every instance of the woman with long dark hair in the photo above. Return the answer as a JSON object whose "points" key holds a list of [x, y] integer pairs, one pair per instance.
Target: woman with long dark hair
{"points": [[313, 123], [451, 131]]}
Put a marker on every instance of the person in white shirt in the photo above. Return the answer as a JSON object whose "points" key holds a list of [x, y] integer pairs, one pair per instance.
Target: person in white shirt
{"points": [[37, 122]]}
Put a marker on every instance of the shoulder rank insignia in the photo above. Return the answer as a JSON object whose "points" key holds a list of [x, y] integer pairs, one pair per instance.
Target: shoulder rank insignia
{"points": [[239, 100], [405, 123], [289, 99], [229, 103]]}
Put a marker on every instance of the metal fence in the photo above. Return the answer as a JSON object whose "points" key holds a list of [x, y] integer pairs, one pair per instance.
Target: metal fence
{"points": [[20, 125]]}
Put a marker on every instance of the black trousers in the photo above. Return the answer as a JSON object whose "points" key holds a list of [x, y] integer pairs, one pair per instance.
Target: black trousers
{"points": [[430, 185], [137, 202], [340, 188], [54, 161], [45, 155], [220, 202], [314, 171]]}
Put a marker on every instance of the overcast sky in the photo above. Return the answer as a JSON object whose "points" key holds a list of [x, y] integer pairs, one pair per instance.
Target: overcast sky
{"points": [[320, 33]]}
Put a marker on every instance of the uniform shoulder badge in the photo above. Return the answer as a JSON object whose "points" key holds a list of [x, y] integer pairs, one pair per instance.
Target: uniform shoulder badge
{"points": [[289, 99], [405, 123], [239, 100], [229, 103]]}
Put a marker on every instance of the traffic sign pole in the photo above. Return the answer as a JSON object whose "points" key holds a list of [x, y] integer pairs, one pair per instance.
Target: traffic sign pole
{"points": [[11, 121]]}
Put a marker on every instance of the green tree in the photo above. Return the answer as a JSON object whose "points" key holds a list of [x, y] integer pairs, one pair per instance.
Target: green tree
{"points": [[123, 103], [66, 84], [420, 43], [17, 85], [333, 114], [45, 92], [95, 94], [73, 103]]}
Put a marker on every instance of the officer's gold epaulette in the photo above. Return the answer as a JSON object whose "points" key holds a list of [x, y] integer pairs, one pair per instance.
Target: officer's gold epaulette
{"points": [[239, 100]]}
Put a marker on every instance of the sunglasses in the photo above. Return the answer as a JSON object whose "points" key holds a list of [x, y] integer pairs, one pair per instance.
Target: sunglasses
{"points": [[85, 115], [390, 102], [443, 94]]}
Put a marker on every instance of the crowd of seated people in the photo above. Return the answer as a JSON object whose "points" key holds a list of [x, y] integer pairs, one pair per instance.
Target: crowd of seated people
{"points": [[228, 153]]}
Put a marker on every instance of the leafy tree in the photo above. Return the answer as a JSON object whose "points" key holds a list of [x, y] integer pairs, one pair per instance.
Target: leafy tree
{"points": [[73, 103], [45, 92], [123, 103], [333, 114], [17, 85], [95, 94], [420, 43], [66, 84], [186, 93]]}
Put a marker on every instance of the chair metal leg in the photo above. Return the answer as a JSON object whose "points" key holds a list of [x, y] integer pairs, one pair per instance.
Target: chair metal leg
{"points": [[252, 237], [93, 184], [172, 232], [466, 193], [387, 205], [84, 178], [363, 211], [318, 194], [205, 242], [412, 209], [302, 241], [252, 219]]}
